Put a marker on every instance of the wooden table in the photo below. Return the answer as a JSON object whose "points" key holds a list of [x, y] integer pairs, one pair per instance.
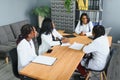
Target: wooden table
{"points": [[62, 32], [66, 63], [63, 68]]}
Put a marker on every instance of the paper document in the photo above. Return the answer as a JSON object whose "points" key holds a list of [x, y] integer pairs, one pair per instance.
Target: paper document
{"points": [[44, 60], [65, 44], [76, 46]]}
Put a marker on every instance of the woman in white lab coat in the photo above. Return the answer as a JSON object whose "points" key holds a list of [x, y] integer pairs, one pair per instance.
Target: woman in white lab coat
{"points": [[25, 46], [84, 26], [96, 52], [49, 36]]}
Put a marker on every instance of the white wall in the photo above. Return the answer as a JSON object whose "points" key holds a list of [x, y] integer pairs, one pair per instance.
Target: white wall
{"points": [[16, 10], [44, 2], [111, 17]]}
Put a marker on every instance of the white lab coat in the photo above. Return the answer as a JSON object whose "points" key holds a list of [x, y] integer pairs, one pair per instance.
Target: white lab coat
{"points": [[47, 41], [100, 50], [86, 28], [26, 53]]}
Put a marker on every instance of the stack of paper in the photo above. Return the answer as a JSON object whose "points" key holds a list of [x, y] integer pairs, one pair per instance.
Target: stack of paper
{"points": [[44, 60], [65, 44], [76, 46]]}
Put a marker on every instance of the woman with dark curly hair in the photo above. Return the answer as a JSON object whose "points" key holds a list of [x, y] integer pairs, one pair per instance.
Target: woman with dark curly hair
{"points": [[96, 52]]}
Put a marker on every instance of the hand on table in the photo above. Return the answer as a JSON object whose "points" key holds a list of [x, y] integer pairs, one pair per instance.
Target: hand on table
{"points": [[82, 34], [65, 40]]}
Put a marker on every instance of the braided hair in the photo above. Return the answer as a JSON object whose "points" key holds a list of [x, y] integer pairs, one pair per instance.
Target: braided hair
{"points": [[25, 31]]}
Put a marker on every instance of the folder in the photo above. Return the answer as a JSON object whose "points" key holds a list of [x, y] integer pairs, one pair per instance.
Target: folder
{"points": [[76, 46], [82, 4], [44, 60]]}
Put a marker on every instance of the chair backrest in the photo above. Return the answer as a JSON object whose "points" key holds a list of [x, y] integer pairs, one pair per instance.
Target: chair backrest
{"points": [[107, 30], [112, 51], [14, 60]]}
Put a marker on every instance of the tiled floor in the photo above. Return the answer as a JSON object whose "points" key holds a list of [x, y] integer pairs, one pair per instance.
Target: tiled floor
{"points": [[6, 71]]}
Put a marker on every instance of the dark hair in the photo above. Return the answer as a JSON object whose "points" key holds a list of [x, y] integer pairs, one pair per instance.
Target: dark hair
{"points": [[47, 28], [25, 31], [98, 31], [84, 14]]}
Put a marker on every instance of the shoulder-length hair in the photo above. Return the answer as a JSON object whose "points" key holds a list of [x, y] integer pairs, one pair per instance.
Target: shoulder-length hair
{"points": [[47, 26], [84, 14]]}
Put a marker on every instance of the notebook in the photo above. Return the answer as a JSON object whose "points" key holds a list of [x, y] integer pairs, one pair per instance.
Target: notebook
{"points": [[44, 60], [76, 46], [65, 44]]}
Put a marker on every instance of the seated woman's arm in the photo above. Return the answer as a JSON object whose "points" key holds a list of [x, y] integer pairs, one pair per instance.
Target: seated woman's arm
{"points": [[90, 47], [57, 34], [23, 56], [91, 28], [48, 39], [77, 29]]}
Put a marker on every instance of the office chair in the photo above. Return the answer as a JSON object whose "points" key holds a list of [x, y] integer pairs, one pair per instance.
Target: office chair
{"points": [[104, 70], [14, 60]]}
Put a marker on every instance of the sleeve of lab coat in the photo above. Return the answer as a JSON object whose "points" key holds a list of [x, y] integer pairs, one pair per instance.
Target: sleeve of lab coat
{"points": [[24, 58], [77, 29], [57, 34], [50, 41], [90, 48], [91, 28]]}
